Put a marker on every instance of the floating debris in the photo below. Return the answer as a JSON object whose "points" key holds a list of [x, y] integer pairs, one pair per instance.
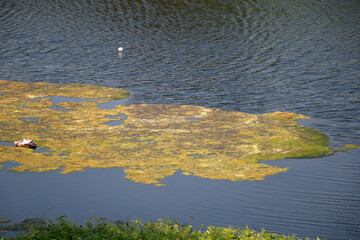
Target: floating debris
{"points": [[26, 143]]}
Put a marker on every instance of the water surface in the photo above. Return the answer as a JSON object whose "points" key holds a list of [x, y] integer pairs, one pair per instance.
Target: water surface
{"points": [[252, 56]]}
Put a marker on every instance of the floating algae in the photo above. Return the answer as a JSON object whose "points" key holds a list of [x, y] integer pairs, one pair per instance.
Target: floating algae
{"points": [[153, 142]]}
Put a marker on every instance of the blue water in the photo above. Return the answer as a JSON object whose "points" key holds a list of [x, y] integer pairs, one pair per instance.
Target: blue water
{"points": [[252, 56]]}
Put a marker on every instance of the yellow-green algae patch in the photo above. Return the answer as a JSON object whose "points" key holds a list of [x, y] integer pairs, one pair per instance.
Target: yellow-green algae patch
{"points": [[4, 220], [348, 146], [154, 142]]}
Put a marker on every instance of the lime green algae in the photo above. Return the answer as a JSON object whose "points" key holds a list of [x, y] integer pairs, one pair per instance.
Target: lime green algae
{"points": [[155, 141]]}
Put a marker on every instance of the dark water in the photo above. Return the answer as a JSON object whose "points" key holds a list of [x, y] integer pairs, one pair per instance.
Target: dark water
{"points": [[253, 56]]}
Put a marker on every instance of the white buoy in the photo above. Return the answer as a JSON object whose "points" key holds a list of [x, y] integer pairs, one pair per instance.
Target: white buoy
{"points": [[120, 49]]}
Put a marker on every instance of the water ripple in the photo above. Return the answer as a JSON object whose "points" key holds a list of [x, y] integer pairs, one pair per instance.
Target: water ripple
{"points": [[253, 56]]}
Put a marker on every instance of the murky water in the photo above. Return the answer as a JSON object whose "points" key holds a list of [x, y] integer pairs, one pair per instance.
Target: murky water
{"points": [[252, 56]]}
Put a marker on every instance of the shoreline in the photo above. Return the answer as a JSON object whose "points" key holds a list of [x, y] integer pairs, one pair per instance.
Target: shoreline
{"points": [[100, 228]]}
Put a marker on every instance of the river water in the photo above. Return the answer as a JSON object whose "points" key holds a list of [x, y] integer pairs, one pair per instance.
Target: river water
{"points": [[253, 56]]}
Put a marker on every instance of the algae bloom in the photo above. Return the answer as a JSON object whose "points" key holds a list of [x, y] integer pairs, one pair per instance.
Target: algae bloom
{"points": [[152, 141]]}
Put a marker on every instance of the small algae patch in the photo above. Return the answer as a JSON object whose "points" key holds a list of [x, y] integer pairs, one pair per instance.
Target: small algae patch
{"points": [[4, 220], [150, 142], [351, 146], [347, 147]]}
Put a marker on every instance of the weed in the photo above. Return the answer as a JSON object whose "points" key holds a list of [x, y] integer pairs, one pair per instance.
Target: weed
{"points": [[135, 229]]}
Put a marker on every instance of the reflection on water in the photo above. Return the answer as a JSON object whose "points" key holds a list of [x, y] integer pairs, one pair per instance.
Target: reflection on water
{"points": [[253, 56]]}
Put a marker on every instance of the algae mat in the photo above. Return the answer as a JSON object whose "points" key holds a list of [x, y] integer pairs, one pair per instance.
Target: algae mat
{"points": [[153, 141]]}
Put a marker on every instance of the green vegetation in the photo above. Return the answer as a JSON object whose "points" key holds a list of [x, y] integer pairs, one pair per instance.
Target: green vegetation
{"points": [[348, 146], [162, 229], [154, 141]]}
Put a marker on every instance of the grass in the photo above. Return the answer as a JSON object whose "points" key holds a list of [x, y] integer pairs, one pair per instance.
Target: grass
{"points": [[135, 229]]}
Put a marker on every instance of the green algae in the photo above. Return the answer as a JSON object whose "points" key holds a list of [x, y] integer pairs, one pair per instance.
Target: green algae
{"points": [[347, 147], [4, 220], [155, 141]]}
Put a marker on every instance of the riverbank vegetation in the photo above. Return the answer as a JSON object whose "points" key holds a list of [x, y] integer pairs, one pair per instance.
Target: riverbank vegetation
{"points": [[135, 229]]}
